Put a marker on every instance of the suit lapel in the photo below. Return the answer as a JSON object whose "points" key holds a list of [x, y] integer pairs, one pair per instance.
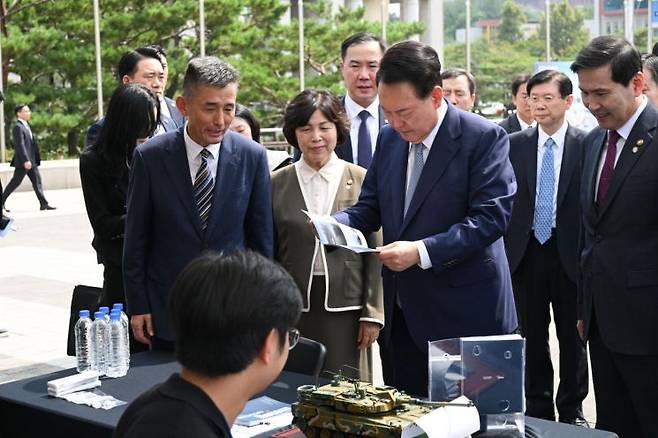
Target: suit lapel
{"points": [[178, 169], [638, 141], [530, 158], [382, 118], [344, 187], [568, 167], [228, 175], [590, 171], [398, 178], [444, 147]]}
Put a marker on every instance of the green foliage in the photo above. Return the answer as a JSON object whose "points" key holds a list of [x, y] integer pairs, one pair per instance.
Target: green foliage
{"points": [[50, 45], [512, 19], [568, 34], [454, 14]]}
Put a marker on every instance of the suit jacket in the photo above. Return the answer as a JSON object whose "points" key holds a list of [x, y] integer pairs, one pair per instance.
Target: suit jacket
{"points": [[510, 124], [344, 150], [354, 280], [619, 259], [105, 199], [523, 156], [26, 148], [460, 209], [163, 228], [170, 124]]}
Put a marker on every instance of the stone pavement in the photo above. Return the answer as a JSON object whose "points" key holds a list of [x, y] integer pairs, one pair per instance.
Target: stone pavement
{"points": [[40, 263]]}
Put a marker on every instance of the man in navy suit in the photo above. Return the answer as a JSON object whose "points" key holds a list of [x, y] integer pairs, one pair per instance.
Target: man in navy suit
{"points": [[146, 66], [27, 158], [618, 281], [441, 187], [522, 118], [542, 247], [201, 187]]}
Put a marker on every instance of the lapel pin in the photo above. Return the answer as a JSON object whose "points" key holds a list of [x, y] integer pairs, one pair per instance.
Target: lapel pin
{"points": [[634, 149], [349, 182], [640, 142]]}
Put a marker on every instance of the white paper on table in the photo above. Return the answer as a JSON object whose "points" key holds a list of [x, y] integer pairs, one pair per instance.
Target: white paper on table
{"points": [[446, 422], [271, 423]]}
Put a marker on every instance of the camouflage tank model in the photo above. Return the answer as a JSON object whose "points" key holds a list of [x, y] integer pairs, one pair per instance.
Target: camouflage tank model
{"points": [[349, 408]]}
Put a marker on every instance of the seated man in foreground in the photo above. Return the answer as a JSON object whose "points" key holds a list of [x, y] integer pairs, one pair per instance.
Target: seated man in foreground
{"points": [[234, 318]]}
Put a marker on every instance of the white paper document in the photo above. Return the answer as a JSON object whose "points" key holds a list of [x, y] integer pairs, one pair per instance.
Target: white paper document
{"points": [[332, 233], [457, 421]]}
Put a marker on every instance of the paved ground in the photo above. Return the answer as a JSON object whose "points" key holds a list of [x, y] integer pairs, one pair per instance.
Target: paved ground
{"points": [[40, 264]]}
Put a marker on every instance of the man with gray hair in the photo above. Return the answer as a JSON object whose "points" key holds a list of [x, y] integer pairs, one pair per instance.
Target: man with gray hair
{"points": [[200, 188]]}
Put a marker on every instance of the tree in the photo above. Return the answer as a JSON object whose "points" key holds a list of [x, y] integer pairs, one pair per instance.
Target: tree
{"points": [[454, 14], [512, 19], [568, 33]]}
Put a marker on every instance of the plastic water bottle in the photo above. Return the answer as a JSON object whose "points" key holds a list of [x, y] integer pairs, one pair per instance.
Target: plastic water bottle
{"points": [[117, 365], [106, 311], [126, 321], [99, 343], [83, 341]]}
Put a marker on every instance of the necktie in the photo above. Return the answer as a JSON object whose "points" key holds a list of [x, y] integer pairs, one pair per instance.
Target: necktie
{"points": [[416, 170], [203, 189], [543, 220], [608, 168], [365, 144]]}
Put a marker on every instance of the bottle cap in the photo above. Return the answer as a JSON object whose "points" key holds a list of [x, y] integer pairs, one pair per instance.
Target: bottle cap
{"points": [[99, 314], [84, 314], [104, 309], [117, 311], [115, 316], [117, 306]]}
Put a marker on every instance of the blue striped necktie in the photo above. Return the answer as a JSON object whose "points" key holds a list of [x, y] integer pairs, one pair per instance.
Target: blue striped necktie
{"points": [[203, 188], [543, 220]]}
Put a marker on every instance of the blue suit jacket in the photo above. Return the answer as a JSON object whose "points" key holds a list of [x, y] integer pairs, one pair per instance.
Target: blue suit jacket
{"points": [[163, 228], [460, 210]]}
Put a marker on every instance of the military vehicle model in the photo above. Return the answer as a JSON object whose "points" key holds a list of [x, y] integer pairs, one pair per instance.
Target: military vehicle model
{"points": [[350, 408]]}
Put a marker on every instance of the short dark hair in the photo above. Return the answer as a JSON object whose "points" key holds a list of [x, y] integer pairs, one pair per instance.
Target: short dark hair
{"points": [[128, 62], [360, 38], [518, 81], [133, 113], [623, 58], [159, 50], [651, 63], [18, 108], [453, 73], [208, 70], [301, 108], [564, 83], [412, 62], [246, 115], [223, 307]]}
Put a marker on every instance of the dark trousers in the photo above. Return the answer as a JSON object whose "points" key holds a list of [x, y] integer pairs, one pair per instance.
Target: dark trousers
{"points": [[35, 178], [112, 286], [404, 365], [539, 282], [625, 389]]}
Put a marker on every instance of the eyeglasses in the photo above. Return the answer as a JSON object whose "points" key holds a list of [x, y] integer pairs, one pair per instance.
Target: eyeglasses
{"points": [[547, 98], [293, 338]]}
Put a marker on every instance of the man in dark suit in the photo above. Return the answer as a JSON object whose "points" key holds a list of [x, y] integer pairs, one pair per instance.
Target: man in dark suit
{"points": [[441, 187], [459, 88], [618, 287], [147, 66], [201, 187], [360, 57], [27, 158], [522, 118], [542, 244]]}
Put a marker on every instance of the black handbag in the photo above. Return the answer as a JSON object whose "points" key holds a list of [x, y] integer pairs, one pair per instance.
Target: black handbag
{"points": [[84, 298]]}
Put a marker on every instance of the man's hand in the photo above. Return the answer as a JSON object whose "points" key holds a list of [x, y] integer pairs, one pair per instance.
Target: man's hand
{"points": [[142, 326], [368, 333], [398, 256], [580, 327], [27, 165]]}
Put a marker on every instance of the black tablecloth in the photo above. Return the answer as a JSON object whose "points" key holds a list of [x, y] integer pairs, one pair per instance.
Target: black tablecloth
{"points": [[27, 411]]}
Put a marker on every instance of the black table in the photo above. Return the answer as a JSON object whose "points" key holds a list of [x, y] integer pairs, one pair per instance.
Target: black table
{"points": [[26, 410]]}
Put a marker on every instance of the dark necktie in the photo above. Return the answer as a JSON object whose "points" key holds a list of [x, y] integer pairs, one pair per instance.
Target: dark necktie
{"points": [[365, 144], [203, 188], [608, 168]]}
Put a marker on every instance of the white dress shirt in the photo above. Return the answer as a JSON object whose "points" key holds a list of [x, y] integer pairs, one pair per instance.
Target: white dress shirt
{"points": [[164, 112], [319, 189], [193, 150], [353, 110], [27, 125], [425, 261], [523, 124], [558, 152], [624, 132]]}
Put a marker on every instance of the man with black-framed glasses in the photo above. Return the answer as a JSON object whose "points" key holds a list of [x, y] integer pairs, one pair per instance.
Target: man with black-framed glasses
{"points": [[542, 243], [234, 318]]}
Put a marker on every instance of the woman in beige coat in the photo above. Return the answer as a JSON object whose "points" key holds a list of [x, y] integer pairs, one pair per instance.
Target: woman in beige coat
{"points": [[341, 290]]}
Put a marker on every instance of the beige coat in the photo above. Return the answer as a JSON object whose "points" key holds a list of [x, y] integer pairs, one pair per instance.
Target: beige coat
{"points": [[353, 280]]}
